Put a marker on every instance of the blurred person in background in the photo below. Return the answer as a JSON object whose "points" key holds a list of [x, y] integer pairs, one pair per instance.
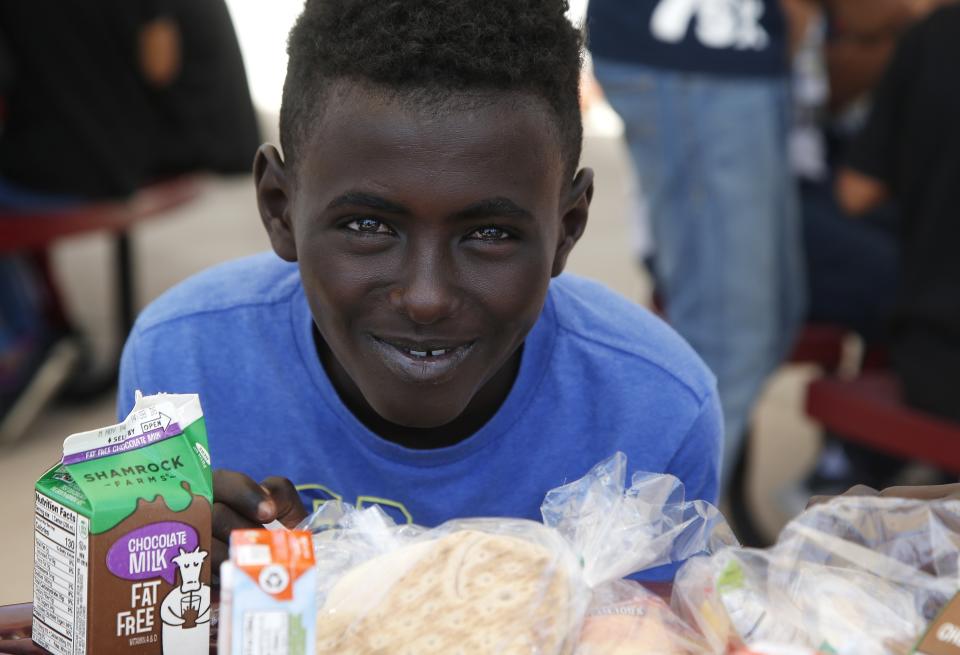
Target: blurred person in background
{"points": [[704, 91], [909, 150], [99, 99], [850, 267], [207, 119], [108, 95], [841, 48]]}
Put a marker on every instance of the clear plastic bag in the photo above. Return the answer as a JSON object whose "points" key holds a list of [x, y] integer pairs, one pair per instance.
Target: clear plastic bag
{"points": [[857, 575], [617, 531], [503, 586]]}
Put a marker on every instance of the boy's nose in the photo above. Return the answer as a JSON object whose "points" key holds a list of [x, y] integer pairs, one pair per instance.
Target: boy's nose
{"points": [[426, 295]]}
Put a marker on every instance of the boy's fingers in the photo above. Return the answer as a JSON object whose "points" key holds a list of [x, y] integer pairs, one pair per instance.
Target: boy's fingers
{"points": [[286, 498], [220, 552], [243, 495], [929, 492], [226, 520], [240, 503]]}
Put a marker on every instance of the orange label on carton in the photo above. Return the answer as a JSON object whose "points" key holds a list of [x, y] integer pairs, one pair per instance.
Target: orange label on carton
{"points": [[943, 636], [274, 559]]}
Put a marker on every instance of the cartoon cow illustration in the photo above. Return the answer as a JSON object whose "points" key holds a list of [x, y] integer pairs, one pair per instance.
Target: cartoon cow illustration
{"points": [[185, 611], [720, 23]]}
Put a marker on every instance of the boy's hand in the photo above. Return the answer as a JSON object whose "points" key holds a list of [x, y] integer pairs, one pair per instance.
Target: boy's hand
{"points": [[240, 503], [930, 492]]}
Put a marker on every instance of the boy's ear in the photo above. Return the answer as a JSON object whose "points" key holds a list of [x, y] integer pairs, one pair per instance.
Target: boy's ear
{"points": [[573, 221], [273, 200]]}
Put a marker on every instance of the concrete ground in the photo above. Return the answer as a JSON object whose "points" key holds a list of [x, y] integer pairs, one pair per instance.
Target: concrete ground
{"points": [[224, 224]]}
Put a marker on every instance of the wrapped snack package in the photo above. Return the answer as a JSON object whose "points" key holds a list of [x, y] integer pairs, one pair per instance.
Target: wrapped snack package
{"points": [[511, 586], [625, 619], [617, 531], [857, 575]]}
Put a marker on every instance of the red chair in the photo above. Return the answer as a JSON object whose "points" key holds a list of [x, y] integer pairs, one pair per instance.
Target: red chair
{"points": [[870, 410], [35, 231], [821, 344]]}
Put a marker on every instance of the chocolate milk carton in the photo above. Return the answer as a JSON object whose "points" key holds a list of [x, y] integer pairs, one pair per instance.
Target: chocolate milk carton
{"points": [[122, 536]]}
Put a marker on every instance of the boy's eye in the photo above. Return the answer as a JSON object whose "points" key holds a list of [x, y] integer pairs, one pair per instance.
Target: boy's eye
{"points": [[489, 233], [368, 225]]}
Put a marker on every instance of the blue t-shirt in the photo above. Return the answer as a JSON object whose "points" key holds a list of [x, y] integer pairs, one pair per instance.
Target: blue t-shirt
{"points": [[598, 374], [725, 37]]}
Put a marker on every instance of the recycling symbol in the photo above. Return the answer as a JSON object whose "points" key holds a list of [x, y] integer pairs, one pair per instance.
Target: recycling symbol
{"points": [[274, 579]]}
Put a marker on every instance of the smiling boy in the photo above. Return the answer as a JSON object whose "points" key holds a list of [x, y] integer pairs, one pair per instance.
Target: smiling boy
{"points": [[409, 342]]}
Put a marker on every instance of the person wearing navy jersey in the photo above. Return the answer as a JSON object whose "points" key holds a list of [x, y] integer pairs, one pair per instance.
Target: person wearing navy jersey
{"points": [[703, 89]]}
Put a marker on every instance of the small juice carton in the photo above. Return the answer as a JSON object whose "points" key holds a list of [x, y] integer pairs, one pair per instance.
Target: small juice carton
{"points": [[122, 531], [268, 591]]}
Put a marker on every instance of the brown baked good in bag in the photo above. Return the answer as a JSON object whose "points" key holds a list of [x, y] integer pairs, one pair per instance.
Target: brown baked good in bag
{"points": [[466, 593]]}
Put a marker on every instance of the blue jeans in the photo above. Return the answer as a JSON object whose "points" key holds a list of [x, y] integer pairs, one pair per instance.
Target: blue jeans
{"points": [[711, 156]]}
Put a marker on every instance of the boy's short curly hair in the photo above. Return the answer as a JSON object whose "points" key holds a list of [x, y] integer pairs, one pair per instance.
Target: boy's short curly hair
{"points": [[432, 50]]}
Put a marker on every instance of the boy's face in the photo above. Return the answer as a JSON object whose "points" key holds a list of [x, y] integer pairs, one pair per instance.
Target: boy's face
{"points": [[426, 241]]}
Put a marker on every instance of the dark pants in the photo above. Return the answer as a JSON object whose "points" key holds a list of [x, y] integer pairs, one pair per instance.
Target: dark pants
{"points": [[928, 364], [852, 263], [852, 276]]}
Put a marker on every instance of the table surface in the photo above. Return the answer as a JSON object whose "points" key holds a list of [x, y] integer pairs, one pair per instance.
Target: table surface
{"points": [[16, 622]]}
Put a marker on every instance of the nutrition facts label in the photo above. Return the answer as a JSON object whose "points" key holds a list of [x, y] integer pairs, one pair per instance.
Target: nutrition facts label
{"points": [[265, 633], [60, 578]]}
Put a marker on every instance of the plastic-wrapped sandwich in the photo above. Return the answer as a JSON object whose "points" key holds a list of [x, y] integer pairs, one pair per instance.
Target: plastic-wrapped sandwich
{"points": [[469, 591]]}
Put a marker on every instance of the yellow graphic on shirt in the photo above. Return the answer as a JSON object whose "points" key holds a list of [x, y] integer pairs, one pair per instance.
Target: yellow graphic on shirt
{"points": [[317, 502], [366, 501], [318, 495]]}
